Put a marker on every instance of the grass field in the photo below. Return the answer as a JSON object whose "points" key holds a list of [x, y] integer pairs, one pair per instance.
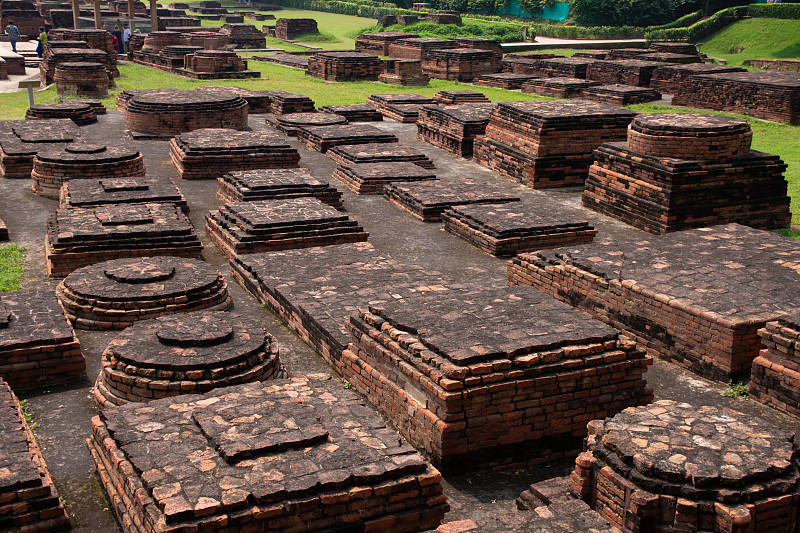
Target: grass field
{"points": [[755, 39], [11, 256]]}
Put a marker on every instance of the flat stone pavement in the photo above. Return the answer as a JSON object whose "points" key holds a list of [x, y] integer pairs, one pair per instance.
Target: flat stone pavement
{"points": [[63, 414]]}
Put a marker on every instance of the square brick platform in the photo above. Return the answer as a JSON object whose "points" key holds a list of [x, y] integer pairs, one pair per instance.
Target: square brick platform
{"points": [[669, 78], [620, 95], [418, 47], [354, 112], [503, 80], [323, 138], [626, 71], [379, 153], [372, 178], [428, 200], [454, 128], [382, 101], [407, 72], [559, 87], [96, 193], [21, 140], [344, 66], [276, 184], [460, 64], [378, 43], [741, 278], [460, 97]]}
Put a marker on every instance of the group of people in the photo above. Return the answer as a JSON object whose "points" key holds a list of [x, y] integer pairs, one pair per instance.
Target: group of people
{"points": [[119, 38]]}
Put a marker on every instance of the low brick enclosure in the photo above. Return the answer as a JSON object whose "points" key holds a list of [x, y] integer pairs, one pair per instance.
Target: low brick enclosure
{"points": [[403, 72], [289, 283], [765, 94], [290, 123], [774, 377], [503, 80], [680, 171], [548, 144], [460, 64], [379, 153], [284, 224], [560, 87], [118, 191], [187, 353], [209, 153], [709, 323], [506, 229], [78, 112], [372, 178], [378, 43], [454, 128], [118, 293], [37, 344], [669, 78], [21, 140], [344, 66], [286, 28], [55, 56], [452, 371], [81, 79], [54, 166], [354, 112], [84, 236], [418, 47], [310, 456], [620, 95], [696, 468], [323, 138], [459, 97], [428, 200], [168, 112], [276, 184], [30, 499]]}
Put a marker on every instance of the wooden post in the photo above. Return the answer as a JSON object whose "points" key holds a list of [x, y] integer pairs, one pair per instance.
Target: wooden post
{"points": [[131, 9], [76, 13], [97, 20], [154, 14]]}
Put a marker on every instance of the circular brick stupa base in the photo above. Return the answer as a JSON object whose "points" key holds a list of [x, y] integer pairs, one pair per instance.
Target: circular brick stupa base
{"points": [[672, 466], [81, 78], [117, 293], [186, 353], [80, 113]]}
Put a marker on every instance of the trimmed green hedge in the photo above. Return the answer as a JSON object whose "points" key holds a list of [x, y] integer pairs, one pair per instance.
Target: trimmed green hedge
{"points": [[588, 32], [505, 33], [683, 22], [343, 8]]}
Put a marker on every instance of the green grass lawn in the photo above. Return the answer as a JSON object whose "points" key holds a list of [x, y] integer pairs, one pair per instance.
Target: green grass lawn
{"points": [[11, 256], [755, 39]]}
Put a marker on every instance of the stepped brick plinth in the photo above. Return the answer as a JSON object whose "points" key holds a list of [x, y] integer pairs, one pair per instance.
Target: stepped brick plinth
{"points": [[284, 224], [188, 353], [20, 141], [405, 113], [766, 94], [526, 63], [480, 43], [428, 200], [418, 47], [204, 39], [210, 153], [31, 502], [95, 104], [60, 163], [669, 78], [286, 28], [276, 184], [322, 138], [627, 53], [506, 229], [503, 80], [37, 344], [674, 47], [289, 123], [673, 466], [460, 64], [473, 383], [378, 43], [98, 39], [301, 454], [216, 65], [257, 101], [379, 153], [708, 324], [117, 293], [353, 275], [559, 87], [170, 58], [284, 103], [680, 171], [773, 380], [168, 112], [55, 56], [84, 236], [372, 178], [459, 97], [354, 112], [620, 95], [344, 66], [287, 59], [81, 79], [626, 71], [404, 72], [548, 144], [80, 113], [156, 41], [454, 128], [114, 191], [381, 101], [671, 57]]}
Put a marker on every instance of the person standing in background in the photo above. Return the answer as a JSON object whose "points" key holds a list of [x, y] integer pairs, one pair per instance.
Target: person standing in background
{"points": [[126, 35], [41, 48], [13, 35], [117, 33]]}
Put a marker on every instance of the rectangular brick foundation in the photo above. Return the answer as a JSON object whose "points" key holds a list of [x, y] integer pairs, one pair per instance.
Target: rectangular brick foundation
{"points": [[620, 95], [775, 377], [460, 64], [625, 71], [503, 80], [95, 193], [418, 47], [372, 178], [453, 128], [21, 140], [406, 72], [275, 184], [322, 138], [379, 153], [354, 112], [378, 43], [669, 78], [344, 66], [559, 87]]}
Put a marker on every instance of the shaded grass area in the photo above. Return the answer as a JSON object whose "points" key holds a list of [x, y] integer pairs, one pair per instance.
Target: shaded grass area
{"points": [[756, 38], [11, 256]]}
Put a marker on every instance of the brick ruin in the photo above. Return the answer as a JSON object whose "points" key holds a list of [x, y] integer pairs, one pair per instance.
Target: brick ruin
{"points": [[288, 29], [452, 371], [283, 103], [57, 164], [503, 80], [81, 79], [480, 43], [290, 123], [558, 87], [30, 499], [284, 224], [354, 112], [697, 468], [94, 103], [344, 66], [548, 144], [378, 43], [79, 112], [258, 102], [460, 64], [509, 228], [307, 456], [671, 57], [707, 322], [680, 171], [37, 348], [97, 39], [84, 236], [459, 97], [211, 152], [372, 178], [634, 72], [620, 95], [287, 59], [187, 353], [118, 293], [117, 191], [13, 63], [276, 184], [673, 47], [527, 64], [669, 78], [454, 128], [773, 380], [21, 140], [418, 47], [243, 35], [55, 56], [554, 67], [24, 14], [388, 105], [215, 65], [347, 154], [406, 72], [323, 138]]}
